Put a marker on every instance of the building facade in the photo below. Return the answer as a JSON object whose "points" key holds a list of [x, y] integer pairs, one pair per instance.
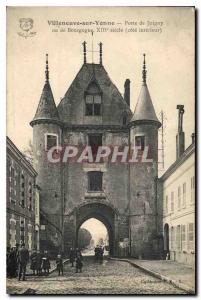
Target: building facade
{"points": [[122, 195], [178, 185], [21, 178]]}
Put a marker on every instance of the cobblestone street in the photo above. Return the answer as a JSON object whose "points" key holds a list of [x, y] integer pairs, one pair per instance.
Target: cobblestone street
{"points": [[111, 277]]}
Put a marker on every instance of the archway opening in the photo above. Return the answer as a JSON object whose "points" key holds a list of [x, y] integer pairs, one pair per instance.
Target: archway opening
{"points": [[91, 233]]}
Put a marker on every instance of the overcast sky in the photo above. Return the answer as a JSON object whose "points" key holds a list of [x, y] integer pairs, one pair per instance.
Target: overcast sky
{"points": [[170, 62]]}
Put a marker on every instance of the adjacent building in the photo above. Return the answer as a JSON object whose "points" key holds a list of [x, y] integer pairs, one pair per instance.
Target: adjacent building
{"points": [[21, 195], [178, 188]]}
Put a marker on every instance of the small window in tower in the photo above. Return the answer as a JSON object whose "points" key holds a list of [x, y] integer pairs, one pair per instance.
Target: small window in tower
{"points": [[51, 141], [93, 100], [140, 142], [95, 181]]}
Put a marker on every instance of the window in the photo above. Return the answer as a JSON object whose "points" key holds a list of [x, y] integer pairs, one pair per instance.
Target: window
{"points": [[93, 105], [172, 238], [22, 229], [191, 236], [184, 195], [172, 201], [29, 237], [183, 237], [192, 189], [51, 141], [178, 240], [140, 142], [166, 204], [12, 232], [22, 191], [179, 198], [30, 192], [94, 141], [12, 185], [95, 181]]}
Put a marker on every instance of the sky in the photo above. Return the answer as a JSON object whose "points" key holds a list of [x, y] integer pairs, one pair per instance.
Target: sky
{"points": [[96, 228], [169, 57]]}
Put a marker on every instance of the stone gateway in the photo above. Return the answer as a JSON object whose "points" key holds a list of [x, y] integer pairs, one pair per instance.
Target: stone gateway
{"points": [[124, 196]]}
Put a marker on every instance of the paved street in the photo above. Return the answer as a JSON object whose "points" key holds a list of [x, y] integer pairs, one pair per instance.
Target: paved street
{"points": [[111, 277]]}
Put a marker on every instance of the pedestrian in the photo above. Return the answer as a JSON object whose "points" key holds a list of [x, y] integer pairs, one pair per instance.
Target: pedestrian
{"points": [[23, 259], [59, 263], [39, 263], [13, 260], [46, 263], [79, 263], [72, 256], [77, 252], [33, 258], [96, 252], [8, 250], [100, 253]]}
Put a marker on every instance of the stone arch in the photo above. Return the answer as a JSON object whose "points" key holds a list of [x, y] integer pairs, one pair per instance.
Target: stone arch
{"points": [[101, 212]]}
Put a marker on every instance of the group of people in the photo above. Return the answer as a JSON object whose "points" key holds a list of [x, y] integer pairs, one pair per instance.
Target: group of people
{"points": [[18, 257], [75, 256], [99, 251], [40, 263], [16, 260]]}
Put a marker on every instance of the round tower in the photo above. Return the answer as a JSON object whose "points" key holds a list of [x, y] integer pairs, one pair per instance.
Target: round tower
{"points": [[143, 174], [46, 134]]}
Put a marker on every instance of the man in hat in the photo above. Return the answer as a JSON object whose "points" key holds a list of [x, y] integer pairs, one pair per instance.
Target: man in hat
{"points": [[23, 258]]}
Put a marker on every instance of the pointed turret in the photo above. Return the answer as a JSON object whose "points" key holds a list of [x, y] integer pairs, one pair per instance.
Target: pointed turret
{"points": [[144, 110], [46, 108]]}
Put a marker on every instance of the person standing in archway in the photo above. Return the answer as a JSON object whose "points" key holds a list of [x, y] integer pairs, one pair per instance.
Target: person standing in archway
{"points": [[79, 263]]}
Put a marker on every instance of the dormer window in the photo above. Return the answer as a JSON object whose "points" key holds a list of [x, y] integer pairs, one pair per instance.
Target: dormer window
{"points": [[93, 100]]}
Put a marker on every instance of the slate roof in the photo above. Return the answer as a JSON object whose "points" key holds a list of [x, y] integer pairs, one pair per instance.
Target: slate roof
{"points": [[46, 108], [74, 95], [144, 109]]}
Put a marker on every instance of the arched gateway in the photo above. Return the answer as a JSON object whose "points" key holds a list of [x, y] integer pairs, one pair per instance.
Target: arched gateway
{"points": [[123, 196], [116, 225], [101, 212]]}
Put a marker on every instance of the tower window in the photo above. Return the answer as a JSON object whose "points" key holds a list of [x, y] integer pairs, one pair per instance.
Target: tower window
{"points": [[93, 105], [93, 100], [95, 181], [51, 140], [140, 141]]}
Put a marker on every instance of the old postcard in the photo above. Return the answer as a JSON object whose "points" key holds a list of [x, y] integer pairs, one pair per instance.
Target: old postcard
{"points": [[101, 150]]}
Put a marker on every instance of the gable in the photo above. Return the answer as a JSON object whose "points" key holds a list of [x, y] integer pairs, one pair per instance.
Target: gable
{"points": [[90, 78]]}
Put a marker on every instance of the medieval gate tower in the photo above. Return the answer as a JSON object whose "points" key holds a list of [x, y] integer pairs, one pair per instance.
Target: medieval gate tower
{"points": [[124, 196]]}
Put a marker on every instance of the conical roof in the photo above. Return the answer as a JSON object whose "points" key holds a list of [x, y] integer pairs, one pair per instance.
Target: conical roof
{"points": [[144, 109], [46, 107]]}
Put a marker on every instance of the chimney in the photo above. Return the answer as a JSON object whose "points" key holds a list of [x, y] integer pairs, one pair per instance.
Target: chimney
{"points": [[127, 91], [193, 138], [180, 138]]}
